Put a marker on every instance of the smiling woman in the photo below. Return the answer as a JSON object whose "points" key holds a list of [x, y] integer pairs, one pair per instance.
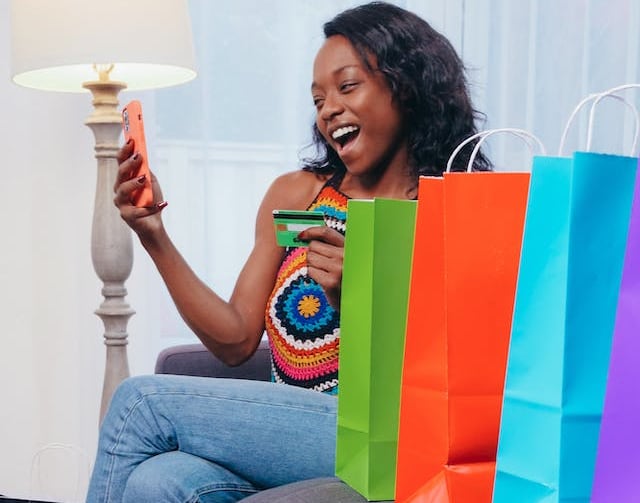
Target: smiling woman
{"points": [[373, 141]]}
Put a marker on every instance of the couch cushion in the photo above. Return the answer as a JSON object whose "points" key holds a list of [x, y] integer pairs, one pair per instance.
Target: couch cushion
{"points": [[196, 360]]}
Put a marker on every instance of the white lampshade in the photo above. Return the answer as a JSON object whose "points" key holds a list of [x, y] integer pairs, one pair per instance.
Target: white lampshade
{"points": [[55, 43]]}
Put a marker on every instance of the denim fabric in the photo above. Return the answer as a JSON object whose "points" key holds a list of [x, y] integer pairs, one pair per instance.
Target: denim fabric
{"points": [[178, 477], [191, 439]]}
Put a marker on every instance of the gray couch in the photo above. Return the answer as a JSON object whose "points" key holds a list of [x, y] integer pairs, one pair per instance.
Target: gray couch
{"points": [[196, 360]]}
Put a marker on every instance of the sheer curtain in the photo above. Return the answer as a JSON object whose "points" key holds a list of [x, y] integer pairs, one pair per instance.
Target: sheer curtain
{"points": [[218, 142]]}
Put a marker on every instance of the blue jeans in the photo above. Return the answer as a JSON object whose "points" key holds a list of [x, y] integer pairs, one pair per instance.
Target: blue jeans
{"points": [[190, 439]]}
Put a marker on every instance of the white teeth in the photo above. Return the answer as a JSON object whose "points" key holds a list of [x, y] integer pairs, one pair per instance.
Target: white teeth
{"points": [[343, 131]]}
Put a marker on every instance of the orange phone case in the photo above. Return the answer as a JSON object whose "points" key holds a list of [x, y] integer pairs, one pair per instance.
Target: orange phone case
{"points": [[133, 127]]}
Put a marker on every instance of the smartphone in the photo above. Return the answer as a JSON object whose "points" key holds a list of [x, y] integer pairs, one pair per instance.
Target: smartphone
{"points": [[133, 127], [289, 223]]}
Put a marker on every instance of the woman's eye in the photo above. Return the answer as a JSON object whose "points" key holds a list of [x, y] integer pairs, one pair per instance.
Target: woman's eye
{"points": [[317, 102], [347, 86]]}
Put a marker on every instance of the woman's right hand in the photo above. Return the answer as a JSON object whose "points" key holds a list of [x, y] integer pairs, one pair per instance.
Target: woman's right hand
{"points": [[144, 221]]}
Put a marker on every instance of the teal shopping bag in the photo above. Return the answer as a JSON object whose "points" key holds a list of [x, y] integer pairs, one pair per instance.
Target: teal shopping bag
{"points": [[570, 271], [373, 313]]}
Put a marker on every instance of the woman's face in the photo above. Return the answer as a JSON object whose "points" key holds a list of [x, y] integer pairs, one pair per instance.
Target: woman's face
{"points": [[355, 110]]}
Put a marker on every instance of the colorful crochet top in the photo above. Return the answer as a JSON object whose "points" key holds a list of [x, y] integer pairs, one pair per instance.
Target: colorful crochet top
{"points": [[303, 328]]}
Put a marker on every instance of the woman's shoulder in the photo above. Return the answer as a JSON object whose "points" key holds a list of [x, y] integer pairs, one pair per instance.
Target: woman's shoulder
{"points": [[296, 189]]}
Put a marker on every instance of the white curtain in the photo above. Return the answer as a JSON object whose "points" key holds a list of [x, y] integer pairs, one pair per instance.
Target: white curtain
{"points": [[215, 145], [223, 138]]}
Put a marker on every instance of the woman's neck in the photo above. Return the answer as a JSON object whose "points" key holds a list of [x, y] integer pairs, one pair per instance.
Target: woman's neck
{"points": [[390, 183]]}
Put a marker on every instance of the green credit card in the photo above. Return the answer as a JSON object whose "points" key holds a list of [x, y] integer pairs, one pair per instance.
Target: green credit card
{"points": [[290, 223]]}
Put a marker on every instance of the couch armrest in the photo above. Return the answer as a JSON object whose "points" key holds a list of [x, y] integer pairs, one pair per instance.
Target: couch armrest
{"points": [[196, 360]]}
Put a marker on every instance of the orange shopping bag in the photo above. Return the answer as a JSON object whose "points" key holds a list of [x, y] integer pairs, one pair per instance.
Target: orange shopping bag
{"points": [[465, 265]]}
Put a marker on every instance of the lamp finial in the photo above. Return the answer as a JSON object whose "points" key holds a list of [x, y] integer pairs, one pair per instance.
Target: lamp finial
{"points": [[103, 71]]}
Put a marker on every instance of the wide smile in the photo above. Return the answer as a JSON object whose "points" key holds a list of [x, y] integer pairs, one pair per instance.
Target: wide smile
{"points": [[344, 136]]}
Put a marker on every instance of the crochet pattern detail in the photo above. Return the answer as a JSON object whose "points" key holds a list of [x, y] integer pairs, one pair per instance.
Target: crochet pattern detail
{"points": [[302, 327]]}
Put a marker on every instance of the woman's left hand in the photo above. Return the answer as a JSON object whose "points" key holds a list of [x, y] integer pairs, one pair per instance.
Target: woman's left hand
{"points": [[324, 260]]}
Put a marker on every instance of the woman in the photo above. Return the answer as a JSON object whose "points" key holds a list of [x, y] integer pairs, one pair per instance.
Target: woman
{"points": [[391, 104]]}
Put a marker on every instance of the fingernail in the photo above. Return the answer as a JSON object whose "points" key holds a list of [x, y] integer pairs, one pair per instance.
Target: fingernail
{"points": [[141, 179], [161, 204]]}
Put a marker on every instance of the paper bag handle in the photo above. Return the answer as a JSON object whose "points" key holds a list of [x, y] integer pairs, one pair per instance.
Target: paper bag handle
{"points": [[528, 137], [611, 92], [597, 97]]}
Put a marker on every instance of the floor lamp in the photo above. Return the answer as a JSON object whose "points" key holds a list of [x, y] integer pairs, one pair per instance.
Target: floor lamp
{"points": [[104, 47]]}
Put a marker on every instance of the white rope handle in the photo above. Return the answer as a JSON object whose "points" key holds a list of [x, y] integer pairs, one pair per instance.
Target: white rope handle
{"points": [[567, 127], [592, 112], [528, 137]]}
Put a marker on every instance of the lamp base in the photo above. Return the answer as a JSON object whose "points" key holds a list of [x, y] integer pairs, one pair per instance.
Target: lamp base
{"points": [[111, 243]]}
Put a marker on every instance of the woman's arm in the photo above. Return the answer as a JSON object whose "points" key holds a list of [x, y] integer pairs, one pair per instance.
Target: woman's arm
{"points": [[230, 329]]}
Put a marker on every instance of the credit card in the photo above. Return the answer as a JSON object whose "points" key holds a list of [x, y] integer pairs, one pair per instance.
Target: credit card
{"points": [[290, 223]]}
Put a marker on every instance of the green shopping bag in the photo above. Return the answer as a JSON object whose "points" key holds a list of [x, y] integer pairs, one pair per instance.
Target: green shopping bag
{"points": [[375, 291]]}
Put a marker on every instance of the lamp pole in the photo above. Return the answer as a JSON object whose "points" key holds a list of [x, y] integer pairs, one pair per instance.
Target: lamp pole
{"points": [[111, 243]]}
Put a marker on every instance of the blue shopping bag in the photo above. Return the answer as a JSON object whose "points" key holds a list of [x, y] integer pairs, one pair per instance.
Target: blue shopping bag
{"points": [[574, 241]]}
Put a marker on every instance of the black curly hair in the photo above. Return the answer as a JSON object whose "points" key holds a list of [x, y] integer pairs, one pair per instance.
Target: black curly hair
{"points": [[427, 78]]}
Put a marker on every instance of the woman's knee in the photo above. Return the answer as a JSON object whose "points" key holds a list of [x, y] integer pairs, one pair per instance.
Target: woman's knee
{"points": [[134, 387], [132, 391]]}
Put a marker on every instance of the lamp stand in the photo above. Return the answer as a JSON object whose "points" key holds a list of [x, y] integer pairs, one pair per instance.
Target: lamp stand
{"points": [[111, 243]]}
